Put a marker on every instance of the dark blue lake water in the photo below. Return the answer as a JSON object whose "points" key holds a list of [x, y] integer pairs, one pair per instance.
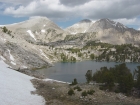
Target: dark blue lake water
{"points": [[68, 71]]}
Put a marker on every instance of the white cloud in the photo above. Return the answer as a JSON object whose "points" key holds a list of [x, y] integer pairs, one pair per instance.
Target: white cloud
{"points": [[73, 2], [47, 8], [133, 21], [124, 11], [15, 2]]}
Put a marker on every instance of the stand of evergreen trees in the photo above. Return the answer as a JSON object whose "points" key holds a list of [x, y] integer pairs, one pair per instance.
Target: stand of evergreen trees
{"points": [[117, 79]]}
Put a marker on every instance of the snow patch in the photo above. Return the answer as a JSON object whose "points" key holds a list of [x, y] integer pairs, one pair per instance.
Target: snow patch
{"points": [[93, 21], [52, 80], [136, 45], [85, 31], [16, 88], [74, 33], [43, 54], [43, 31], [11, 56], [2, 58], [124, 26], [3, 39], [113, 49], [44, 25], [108, 21], [13, 63], [127, 60], [31, 34], [115, 24], [77, 25], [24, 66]]}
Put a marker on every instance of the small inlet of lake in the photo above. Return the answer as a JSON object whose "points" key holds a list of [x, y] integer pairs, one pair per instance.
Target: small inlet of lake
{"points": [[68, 71]]}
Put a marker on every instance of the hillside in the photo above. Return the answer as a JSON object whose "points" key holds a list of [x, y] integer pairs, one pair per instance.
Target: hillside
{"points": [[22, 44]]}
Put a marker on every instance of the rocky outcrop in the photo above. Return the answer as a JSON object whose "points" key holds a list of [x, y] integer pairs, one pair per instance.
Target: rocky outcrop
{"points": [[18, 58]]}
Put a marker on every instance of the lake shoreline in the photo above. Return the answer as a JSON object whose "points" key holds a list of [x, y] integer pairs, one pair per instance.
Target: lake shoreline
{"points": [[45, 87], [67, 71], [56, 93]]}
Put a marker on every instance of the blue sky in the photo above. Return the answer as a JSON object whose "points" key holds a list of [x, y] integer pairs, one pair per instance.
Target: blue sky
{"points": [[4, 19], [67, 12]]}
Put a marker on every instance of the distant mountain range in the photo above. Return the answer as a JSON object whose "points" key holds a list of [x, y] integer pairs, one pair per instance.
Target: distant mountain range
{"points": [[27, 44], [87, 25], [106, 31]]}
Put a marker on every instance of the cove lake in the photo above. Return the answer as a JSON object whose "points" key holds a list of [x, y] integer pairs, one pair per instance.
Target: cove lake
{"points": [[68, 71]]}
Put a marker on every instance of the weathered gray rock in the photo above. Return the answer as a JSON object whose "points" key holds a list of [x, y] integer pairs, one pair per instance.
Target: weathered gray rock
{"points": [[107, 31]]}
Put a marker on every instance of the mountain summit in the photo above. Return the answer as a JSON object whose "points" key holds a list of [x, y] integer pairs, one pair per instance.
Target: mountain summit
{"points": [[34, 23], [38, 29], [87, 25], [106, 30], [103, 24], [80, 27]]}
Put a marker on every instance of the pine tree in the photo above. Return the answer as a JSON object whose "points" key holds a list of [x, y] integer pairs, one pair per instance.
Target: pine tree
{"points": [[89, 76]]}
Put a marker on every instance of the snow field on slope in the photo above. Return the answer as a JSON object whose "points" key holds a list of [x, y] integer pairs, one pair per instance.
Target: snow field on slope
{"points": [[15, 88]]}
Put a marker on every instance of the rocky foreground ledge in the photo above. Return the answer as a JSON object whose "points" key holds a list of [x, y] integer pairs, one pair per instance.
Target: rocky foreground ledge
{"points": [[56, 93]]}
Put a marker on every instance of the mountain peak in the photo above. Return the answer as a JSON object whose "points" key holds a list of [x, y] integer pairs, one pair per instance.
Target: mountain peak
{"points": [[106, 20], [80, 27], [107, 23], [85, 21], [38, 18]]}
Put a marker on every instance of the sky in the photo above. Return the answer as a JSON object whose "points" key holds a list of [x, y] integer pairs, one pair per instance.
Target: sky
{"points": [[67, 12]]}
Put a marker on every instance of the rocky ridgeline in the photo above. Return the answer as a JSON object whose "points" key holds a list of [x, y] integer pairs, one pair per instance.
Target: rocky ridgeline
{"points": [[38, 42]]}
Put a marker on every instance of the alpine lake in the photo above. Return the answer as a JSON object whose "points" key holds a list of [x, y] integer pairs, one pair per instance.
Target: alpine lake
{"points": [[67, 71]]}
